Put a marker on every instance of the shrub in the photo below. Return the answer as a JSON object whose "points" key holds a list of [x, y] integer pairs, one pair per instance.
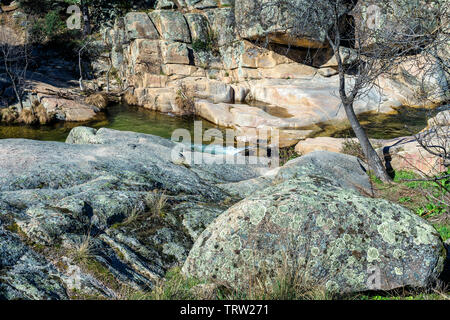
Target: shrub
{"points": [[27, 116], [288, 154], [353, 147], [185, 99], [8, 115], [100, 100]]}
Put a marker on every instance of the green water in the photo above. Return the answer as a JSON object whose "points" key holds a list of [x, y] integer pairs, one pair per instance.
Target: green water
{"points": [[407, 121], [116, 117]]}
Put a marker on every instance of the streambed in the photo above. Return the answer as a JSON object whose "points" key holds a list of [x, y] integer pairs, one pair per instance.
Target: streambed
{"points": [[407, 121]]}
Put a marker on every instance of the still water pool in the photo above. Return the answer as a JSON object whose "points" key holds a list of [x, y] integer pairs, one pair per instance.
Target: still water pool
{"points": [[118, 117], [407, 121]]}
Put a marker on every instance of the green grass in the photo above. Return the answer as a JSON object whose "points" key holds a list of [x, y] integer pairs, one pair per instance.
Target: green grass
{"points": [[425, 198], [444, 231], [174, 287]]}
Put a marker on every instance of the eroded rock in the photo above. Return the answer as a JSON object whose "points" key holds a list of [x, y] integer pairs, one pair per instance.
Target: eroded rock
{"points": [[333, 236]]}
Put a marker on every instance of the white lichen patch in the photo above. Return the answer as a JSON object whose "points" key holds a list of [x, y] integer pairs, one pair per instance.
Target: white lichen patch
{"points": [[424, 235], [315, 251], [399, 254], [373, 255], [258, 211], [398, 271], [387, 231], [320, 221]]}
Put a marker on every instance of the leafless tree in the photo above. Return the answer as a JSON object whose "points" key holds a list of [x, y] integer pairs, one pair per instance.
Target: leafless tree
{"points": [[82, 48], [15, 54], [397, 31], [87, 50]]}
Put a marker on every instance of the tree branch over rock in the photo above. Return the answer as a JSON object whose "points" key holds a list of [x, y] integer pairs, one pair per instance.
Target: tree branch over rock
{"points": [[385, 35]]}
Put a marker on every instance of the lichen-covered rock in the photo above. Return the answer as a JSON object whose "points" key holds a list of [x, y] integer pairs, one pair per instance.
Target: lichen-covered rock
{"points": [[175, 52], [222, 23], [145, 56], [139, 26], [198, 26], [348, 171], [171, 25], [201, 4], [284, 22], [25, 274], [86, 200], [331, 235]]}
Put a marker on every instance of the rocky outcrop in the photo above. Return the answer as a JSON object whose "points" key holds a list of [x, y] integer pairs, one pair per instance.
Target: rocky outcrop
{"points": [[328, 234], [289, 22], [26, 274], [111, 211], [403, 153], [63, 197], [210, 51]]}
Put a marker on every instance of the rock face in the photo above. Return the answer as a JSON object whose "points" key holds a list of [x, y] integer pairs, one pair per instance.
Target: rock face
{"points": [[26, 274], [218, 52], [348, 170], [108, 211], [330, 235], [61, 197], [281, 21], [404, 153]]}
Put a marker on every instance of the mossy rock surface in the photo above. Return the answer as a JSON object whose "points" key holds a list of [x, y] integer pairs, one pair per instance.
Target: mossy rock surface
{"points": [[331, 235]]}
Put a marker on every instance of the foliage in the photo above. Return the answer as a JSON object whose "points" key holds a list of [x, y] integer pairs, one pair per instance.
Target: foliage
{"points": [[428, 199], [175, 286], [287, 154], [210, 44], [185, 99]]}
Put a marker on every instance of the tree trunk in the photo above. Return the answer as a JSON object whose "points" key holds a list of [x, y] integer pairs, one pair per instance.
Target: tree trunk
{"points": [[86, 18], [372, 157]]}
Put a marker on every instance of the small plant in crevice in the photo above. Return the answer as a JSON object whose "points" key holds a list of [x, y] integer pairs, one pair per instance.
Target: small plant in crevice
{"points": [[288, 154], [82, 251], [185, 99], [209, 44], [133, 216], [156, 203]]}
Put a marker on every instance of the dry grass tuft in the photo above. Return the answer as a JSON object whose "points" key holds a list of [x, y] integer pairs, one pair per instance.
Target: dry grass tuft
{"points": [[42, 114], [100, 100], [8, 115], [134, 216], [27, 116], [286, 283], [130, 99], [156, 202], [82, 251], [185, 100]]}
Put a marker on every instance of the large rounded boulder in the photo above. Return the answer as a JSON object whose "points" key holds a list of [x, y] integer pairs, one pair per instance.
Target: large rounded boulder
{"points": [[332, 236]]}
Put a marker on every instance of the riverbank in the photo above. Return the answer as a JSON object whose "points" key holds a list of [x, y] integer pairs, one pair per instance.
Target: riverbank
{"points": [[111, 212]]}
